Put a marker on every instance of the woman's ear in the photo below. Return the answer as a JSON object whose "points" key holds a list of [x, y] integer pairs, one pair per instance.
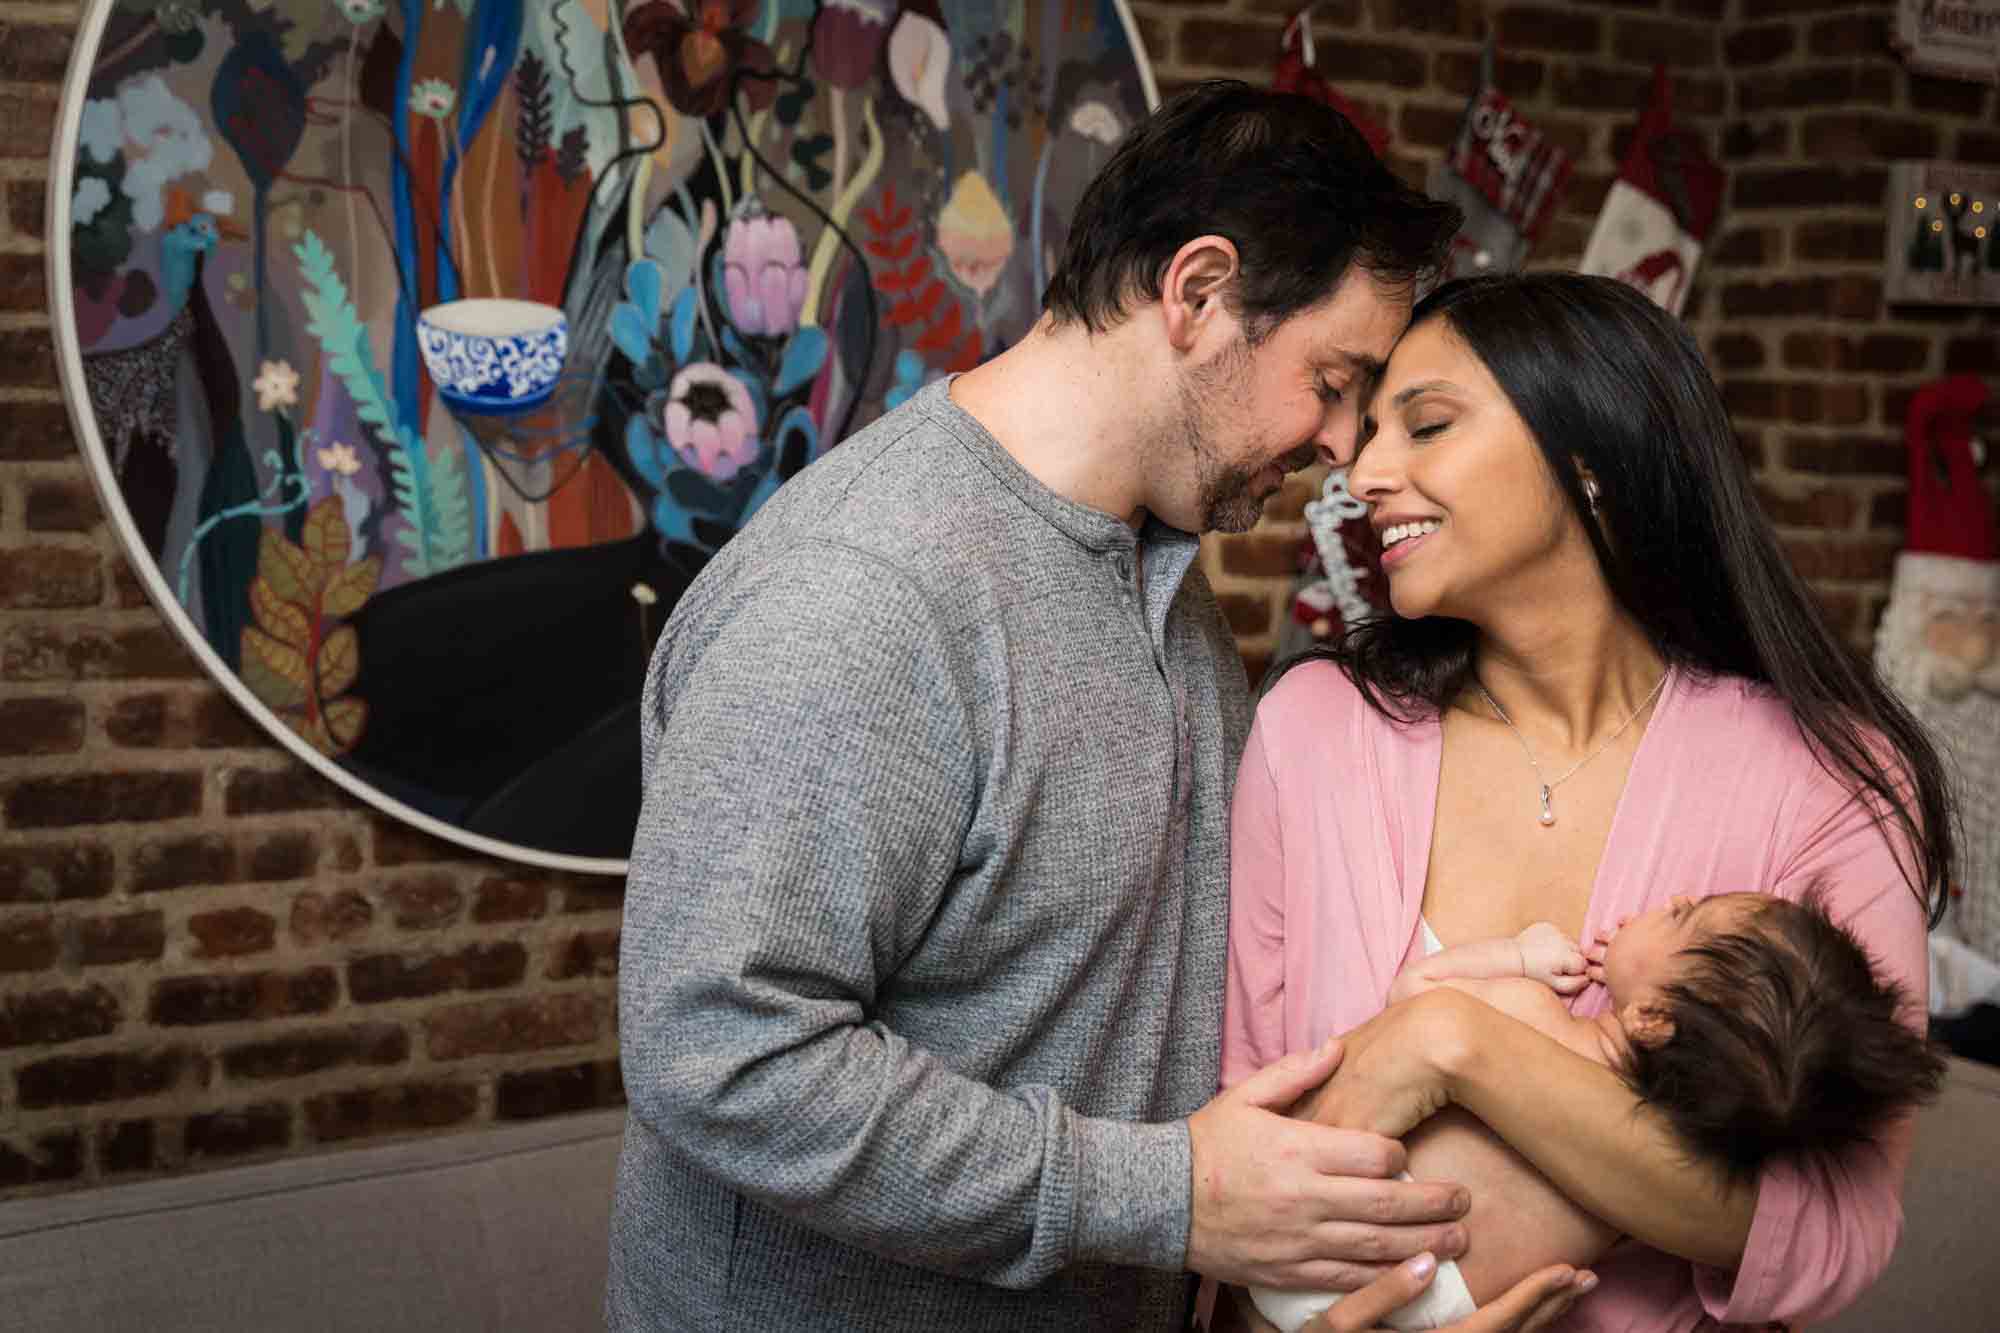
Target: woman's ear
{"points": [[1647, 1023], [1192, 288]]}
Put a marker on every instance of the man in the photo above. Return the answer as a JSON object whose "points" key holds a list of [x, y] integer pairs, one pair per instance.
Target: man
{"points": [[921, 979]]}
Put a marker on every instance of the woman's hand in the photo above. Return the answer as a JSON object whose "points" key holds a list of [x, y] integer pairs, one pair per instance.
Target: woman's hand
{"points": [[1397, 1068], [1535, 1302]]}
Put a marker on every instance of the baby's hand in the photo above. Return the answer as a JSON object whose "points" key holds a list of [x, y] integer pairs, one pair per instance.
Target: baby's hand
{"points": [[1552, 958]]}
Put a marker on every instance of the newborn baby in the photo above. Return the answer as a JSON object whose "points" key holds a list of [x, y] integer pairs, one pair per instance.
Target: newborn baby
{"points": [[1755, 1025]]}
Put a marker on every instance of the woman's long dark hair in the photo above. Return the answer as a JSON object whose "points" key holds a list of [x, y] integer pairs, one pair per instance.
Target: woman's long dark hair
{"points": [[1602, 375]]}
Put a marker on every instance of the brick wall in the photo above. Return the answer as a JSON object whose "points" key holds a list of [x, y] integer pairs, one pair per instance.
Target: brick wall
{"points": [[209, 953]]}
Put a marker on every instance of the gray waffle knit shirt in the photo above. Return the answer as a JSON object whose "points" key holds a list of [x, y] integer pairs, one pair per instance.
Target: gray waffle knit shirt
{"points": [[923, 949]]}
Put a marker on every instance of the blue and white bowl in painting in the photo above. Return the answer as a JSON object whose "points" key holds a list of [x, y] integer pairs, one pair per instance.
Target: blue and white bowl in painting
{"points": [[493, 355]]}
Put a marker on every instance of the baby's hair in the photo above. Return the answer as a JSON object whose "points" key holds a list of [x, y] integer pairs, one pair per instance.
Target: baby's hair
{"points": [[1785, 1043]]}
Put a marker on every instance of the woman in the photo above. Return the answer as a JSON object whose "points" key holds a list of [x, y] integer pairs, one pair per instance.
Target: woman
{"points": [[1603, 686]]}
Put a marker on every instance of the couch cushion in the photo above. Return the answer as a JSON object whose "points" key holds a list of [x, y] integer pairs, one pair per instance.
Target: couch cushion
{"points": [[501, 1229]]}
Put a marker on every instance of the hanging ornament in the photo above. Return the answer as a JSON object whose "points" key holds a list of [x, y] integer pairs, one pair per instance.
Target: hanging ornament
{"points": [[1661, 208], [1338, 585], [1503, 174], [1296, 73]]}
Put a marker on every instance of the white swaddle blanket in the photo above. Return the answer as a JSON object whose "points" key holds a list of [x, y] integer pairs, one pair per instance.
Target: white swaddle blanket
{"points": [[1445, 1301]]}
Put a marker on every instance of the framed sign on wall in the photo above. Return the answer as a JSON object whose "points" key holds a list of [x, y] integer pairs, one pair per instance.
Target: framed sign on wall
{"points": [[1943, 234], [423, 351]]}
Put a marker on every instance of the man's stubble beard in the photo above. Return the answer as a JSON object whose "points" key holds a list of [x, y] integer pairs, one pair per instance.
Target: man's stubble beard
{"points": [[1211, 394]]}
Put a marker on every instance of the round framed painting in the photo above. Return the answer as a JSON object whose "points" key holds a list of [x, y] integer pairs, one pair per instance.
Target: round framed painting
{"points": [[424, 350]]}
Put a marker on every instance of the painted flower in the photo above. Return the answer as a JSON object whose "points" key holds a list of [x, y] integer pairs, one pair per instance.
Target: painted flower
{"points": [[434, 98], [339, 459], [710, 421], [277, 385], [359, 11], [700, 56], [1095, 120], [919, 59], [847, 38], [975, 234], [762, 272]]}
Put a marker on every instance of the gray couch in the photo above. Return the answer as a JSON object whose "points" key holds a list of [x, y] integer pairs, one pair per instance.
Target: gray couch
{"points": [[506, 1230]]}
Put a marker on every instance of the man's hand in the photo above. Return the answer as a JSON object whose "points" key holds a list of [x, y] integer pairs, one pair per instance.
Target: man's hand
{"points": [[1552, 958], [1534, 1303], [1284, 1203]]}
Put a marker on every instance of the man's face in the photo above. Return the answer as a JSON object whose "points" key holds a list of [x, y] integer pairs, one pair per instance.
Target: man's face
{"points": [[1250, 415]]}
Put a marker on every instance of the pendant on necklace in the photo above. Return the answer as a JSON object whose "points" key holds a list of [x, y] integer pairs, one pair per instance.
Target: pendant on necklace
{"points": [[1548, 813]]}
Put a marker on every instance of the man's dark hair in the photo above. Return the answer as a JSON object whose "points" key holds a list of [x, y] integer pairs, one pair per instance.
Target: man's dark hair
{"points": [[1785, 1043], [1288, 180]]}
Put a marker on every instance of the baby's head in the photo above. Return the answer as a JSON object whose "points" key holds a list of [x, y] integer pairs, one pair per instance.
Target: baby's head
{"points": [[1759, 1028]]}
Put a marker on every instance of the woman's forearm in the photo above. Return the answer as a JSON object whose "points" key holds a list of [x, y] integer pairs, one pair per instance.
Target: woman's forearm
{"points": [[1594, 1139]]}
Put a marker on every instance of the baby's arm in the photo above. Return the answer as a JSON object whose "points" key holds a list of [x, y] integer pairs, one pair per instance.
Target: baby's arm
{"points": [[1540, 953]]}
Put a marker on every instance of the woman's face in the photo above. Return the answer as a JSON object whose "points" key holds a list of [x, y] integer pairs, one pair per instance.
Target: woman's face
{"points": [[1469, 517]]}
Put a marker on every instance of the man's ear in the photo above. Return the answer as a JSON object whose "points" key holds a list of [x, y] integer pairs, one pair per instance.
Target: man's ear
{"points": [[1647, 1023], [1192, 288]]}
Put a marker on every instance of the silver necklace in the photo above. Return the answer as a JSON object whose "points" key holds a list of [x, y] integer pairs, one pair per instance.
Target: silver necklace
{"points": [[1548, 815]]}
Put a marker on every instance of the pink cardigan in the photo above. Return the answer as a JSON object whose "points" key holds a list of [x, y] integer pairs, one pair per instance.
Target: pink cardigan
{"points": [[1332, 833]]}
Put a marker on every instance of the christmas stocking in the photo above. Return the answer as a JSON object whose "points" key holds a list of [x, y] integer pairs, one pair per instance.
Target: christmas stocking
{"points": [[1504, 175], [1660, 210], [1938, 645], [1295, 74]]}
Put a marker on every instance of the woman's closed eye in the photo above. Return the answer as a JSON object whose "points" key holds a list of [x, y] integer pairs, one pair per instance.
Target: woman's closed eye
{"points": [[1424, 430]]}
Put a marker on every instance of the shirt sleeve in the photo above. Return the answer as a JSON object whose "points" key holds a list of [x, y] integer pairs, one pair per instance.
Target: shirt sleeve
{"points": [[1253, 1008], [1825, 1229], [811, 777]]}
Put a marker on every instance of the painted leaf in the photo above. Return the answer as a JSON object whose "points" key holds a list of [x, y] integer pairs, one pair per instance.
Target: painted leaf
{"points": [[805, 354], [339, 661], [680, 327], [351, 587], [311, 732], [630, 334], [346, 719], [282, 620], [279, 692], [943, 333], [325, 537], [285, 567], [280, 659]]}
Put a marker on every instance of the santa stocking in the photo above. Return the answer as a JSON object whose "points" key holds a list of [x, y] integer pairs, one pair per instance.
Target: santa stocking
{"points": [[1296, 74], [1660, 210]]}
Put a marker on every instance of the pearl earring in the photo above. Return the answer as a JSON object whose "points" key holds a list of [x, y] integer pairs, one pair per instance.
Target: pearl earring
{"points": [[1590, 492]]}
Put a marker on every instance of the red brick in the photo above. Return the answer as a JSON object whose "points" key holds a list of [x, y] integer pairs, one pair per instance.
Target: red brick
{"points": [[198, 859], [1846, 456], [281, 856], [1850, 35], [1851, 136], [38, 653], [28, 944], [1952, 96], [1343, 61], [311, 1052], [1839, 239], [1827, 558], [1807, 187], [84, 1080], [423, 902], [1762, 45], [1247, 613], [101, 798], [1977, 146], [509, 900], [61, 506], [248, 1129], [590, 953], [1889, 511], [1748, 139], [593, 893], [500, 1027], [230, 932], [1429, 126], [40, 726], [398, 844], [181, 720], [53, 1156], [1231, 43], [35, 432], [1260, 555], [1458, 72], [1816, 86], [1746, 247], [34, 52], [1976, 356], [1539, 28], [27, 208], [47, 577], [256, 791], [375, 978], [1824, 507], [334, 1117], [531, 1093], [1661, 41], [124, 1146], [1255, 665], [54, 873], [1736, 351], [186, 1001], [27, 357], [318, 917], [131, 937], [49, 1017]]}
